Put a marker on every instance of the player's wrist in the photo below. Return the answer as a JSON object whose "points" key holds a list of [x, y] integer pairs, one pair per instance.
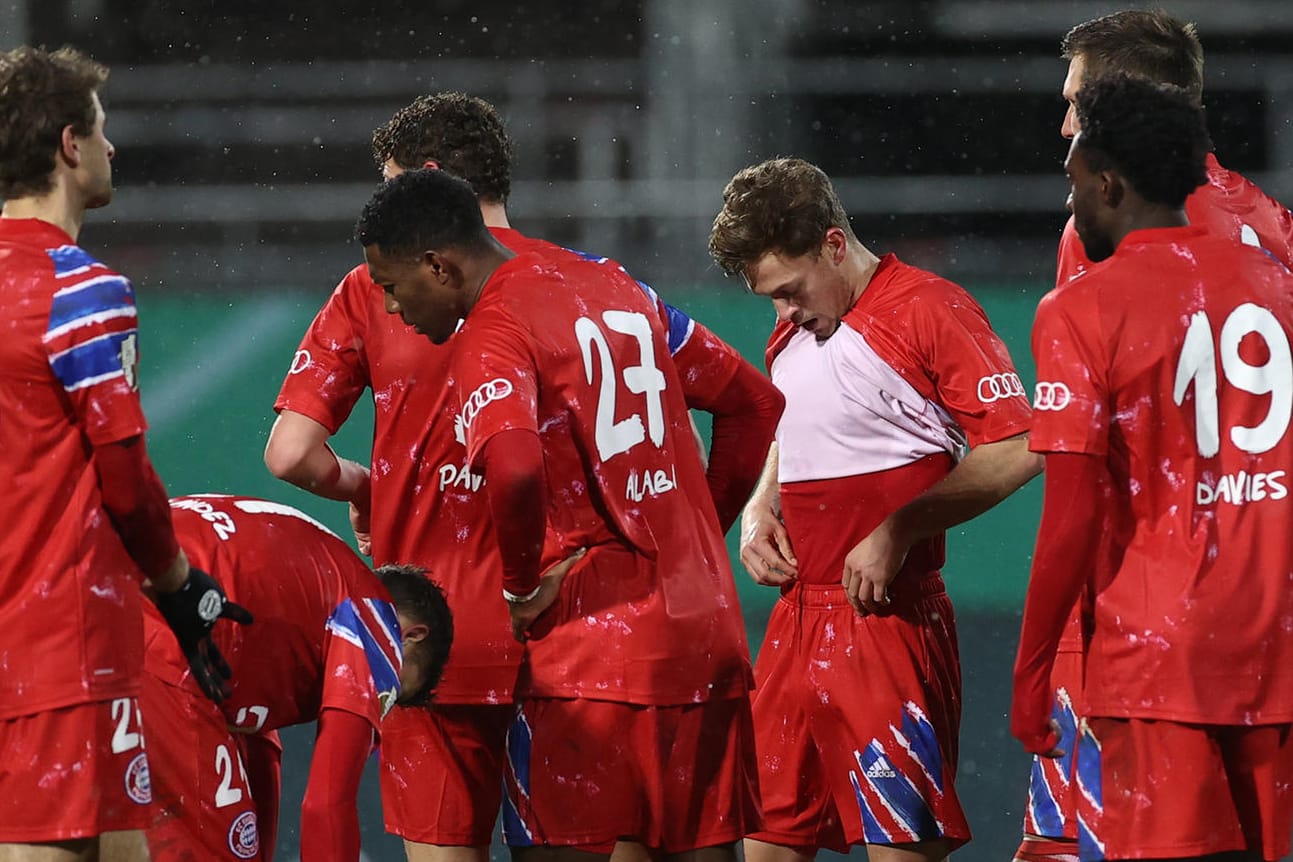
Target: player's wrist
{"points": [[522, 597], [174, 577]]}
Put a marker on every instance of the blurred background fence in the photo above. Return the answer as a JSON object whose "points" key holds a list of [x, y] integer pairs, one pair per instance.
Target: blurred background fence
{"points": [[242, 130]]}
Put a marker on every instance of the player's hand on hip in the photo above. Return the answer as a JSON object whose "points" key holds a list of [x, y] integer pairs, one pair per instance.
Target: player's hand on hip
{"points": [[765, 547], [359, 522], [525, 613], [191, 612], [870, 568]]}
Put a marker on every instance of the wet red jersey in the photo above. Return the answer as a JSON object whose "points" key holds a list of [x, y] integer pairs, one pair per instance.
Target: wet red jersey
{"points": [[1171, 361], [325, 634], [882, 410], [68, 362], [426, 504], [575, 352], [1227, 205]]}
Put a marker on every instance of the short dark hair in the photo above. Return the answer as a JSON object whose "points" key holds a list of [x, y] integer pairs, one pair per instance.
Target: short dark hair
{"points": [[1152, 134], [422, 600], [421, 210], [1148, 43], [42, 93], [463, 134], [782, 205]]}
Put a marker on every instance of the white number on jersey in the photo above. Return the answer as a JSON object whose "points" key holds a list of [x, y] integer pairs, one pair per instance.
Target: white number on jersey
{"points": [[644, 379], [227, 793], [1274, 377], [123, 738]]}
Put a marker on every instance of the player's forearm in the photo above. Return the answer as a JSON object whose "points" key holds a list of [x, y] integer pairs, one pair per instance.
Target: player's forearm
{"points": [[136, 503], [986, 476], [517, 493], [767, 491], [1064, 556], [298, 452], [329, 815], [745, 421]]}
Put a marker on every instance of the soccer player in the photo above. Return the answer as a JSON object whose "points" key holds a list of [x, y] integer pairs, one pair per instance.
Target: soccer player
{"points": [[1157, 47], [1164, 397], [333, 642], [633, 717], [443, 767], [84, 513], [889, 373]]}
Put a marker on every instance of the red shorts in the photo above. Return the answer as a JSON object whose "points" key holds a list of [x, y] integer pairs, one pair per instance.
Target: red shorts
{"points": [[856, 722], [74, 772], [1159, 789], [442, 772], [204, 808], [584, 773], [1052, 797]]}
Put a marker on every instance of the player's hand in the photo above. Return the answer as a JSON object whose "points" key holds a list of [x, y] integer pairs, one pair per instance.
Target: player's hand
{"points": [[525, 613], [191, 612], [870, 568], [765, 547], [359, 522], [1043, 740]]}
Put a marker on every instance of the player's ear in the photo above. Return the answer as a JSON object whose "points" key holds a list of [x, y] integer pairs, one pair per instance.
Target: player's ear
{"points": [[68, 149], [1112, 188], [835, 245], [415, 633]]}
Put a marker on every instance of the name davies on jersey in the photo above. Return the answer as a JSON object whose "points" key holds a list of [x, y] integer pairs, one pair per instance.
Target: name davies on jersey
{"points": [[653, 482], [1240, 488], [459, 476]]}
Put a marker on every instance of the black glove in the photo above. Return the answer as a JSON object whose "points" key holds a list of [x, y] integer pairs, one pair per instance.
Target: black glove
{"points": [[191, 612]]}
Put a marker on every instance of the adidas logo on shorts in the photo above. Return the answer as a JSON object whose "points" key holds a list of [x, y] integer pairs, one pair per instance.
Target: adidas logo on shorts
{"points": [[880, 769]]}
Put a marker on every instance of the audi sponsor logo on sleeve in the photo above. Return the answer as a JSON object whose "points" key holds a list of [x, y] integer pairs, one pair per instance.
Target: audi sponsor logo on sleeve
{"points": [[996, 387], [1051, 396], [485, 394]]}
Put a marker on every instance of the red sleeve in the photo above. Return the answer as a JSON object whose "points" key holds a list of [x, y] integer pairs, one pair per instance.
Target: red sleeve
{"points": [[517, 492], [329, 813], [745, 413], [91, 343], [1067, 543], [1071, 399], [969, 366], [495, 379], [330, 369], [136, 502], [264, 761]]}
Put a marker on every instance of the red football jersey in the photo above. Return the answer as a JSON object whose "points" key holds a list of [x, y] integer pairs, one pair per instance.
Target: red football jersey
{"points": [[1171, 360], [574, 351], [325, 634], [882, 410], [69, 593], [425, 504], [1227, 205]]}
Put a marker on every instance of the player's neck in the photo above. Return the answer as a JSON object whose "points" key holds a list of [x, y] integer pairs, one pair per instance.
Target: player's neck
{"points": [[479, 271], [1152, 216], [860, 266], [494, 214], [54, 207]]}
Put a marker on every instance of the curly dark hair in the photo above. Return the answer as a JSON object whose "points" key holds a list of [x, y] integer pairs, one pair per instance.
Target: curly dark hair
{"points": [[464, 134], [1148, 43], [1152, 134], [782, 205], [421, 210], [42, 93], [422, 600]]}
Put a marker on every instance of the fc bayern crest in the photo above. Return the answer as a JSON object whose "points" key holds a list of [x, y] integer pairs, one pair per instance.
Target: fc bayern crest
{"points": [[139, 782], [244, 837]]}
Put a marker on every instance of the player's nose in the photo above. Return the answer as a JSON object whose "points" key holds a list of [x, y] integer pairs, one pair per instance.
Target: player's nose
{"points": [[1069, 128], [785, 310]]}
